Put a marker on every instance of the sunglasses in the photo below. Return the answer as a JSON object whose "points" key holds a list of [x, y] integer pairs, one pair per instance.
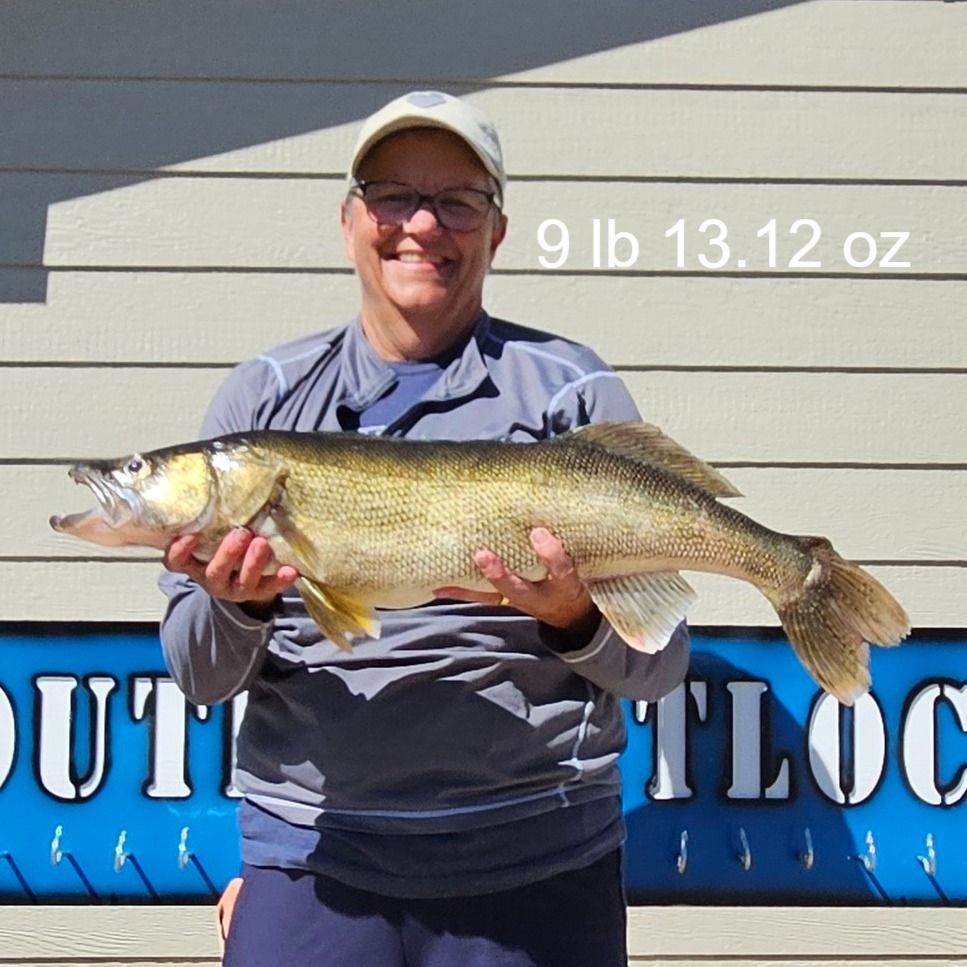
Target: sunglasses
{"points": [[456, 209]]}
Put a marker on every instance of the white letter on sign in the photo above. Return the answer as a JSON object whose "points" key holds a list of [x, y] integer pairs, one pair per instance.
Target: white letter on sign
{"points": [[167, 721], [234, 713], [8, 737], [55, 743], [918, 744], [747, 764], [868, 752]]}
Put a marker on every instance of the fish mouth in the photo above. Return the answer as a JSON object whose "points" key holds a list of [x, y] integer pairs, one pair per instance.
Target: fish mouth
{"points": [[115, 506]]}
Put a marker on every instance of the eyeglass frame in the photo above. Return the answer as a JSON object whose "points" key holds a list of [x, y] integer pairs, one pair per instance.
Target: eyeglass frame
{"points": [[359, 186]]}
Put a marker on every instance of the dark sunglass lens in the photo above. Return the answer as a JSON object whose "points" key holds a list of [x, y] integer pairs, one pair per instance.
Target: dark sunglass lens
{"points": [[462, 211], [459, 220], [391, 205]]}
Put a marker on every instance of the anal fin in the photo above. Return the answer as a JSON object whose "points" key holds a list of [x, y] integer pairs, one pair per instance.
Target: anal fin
{"points": [[644, 609], [339, 616]]}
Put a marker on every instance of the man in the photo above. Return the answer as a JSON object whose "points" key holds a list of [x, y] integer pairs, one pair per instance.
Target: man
{"points": [[447, 794]]}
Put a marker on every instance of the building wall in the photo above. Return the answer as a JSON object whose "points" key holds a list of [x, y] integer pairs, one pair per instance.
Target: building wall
{"points": [[657, 936], [169, 176], [170, 191]]}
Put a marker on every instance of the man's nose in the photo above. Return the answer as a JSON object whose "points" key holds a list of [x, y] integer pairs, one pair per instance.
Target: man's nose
{"points": [[423, 219]]}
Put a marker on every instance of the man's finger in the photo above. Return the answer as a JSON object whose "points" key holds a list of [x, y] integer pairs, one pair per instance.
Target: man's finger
{"points": [[180, 558], [226, 559], [285, 576], [179, 552], [272, 585], [257, 555], [552, 554], [511, 586]]}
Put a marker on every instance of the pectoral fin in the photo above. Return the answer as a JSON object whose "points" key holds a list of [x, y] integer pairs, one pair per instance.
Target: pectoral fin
{"points": [[340, 617], [256, 490], [307, 558], [644, 608]]}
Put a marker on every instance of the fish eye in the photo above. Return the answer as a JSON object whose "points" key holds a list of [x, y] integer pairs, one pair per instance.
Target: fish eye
{"points": [[136, 466]]}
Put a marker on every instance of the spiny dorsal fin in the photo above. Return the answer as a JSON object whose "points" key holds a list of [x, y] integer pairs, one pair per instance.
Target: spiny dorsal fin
{"points": [[647, 444]]}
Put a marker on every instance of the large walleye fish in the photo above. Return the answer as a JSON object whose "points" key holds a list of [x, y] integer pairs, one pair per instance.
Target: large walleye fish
{"points": [[376, 522]]}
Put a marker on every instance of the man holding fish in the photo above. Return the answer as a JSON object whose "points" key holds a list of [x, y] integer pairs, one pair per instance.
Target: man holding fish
{"points": [[448, 793]]}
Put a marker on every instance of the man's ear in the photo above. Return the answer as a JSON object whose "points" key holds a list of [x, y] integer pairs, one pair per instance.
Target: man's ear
{"points": [[346, 224], [500, 230]]}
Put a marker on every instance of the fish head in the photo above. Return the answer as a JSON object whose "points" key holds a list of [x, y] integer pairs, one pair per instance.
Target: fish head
{"points": [[143, 499]]}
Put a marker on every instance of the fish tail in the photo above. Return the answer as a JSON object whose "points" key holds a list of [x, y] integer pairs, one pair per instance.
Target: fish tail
{"points": [[840, 611]]}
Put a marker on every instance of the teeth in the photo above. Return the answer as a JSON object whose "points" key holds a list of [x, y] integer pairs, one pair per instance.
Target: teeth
{"points": [[105, 495], [417, 257]]}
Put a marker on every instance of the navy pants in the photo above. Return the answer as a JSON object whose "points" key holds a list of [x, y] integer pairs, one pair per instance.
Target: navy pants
{"points": [[296, 919]]}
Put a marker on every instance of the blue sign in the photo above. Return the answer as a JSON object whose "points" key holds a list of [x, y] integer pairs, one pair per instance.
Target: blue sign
{"points": [[750, 785], [746, 784]]}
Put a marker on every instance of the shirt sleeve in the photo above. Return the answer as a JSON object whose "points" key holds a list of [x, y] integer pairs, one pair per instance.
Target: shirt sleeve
{"points": [[213, 648], [607, 661]]}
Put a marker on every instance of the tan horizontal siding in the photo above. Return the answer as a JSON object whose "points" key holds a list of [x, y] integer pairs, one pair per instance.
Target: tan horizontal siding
{"points": [[862, 42], [91, 934], [66, 590], [244, 128], [137, 962], [895, 515], [226, 317], [746, 936], [289, 223], [814, 417], [61, 413], [792, 932], [829, 960]]}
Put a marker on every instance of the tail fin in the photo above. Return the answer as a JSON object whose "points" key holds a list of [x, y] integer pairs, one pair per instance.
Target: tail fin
{"points": [[841, 611]]}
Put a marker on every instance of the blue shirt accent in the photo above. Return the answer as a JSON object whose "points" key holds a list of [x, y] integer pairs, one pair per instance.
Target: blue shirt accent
{"points": [[413, 381]]}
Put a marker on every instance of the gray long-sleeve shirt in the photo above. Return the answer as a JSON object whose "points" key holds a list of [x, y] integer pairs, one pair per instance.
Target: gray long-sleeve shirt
{"points": [[462, 721]]}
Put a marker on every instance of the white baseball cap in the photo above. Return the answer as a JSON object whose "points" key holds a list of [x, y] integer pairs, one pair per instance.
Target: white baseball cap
{"points": [[434, 109]]}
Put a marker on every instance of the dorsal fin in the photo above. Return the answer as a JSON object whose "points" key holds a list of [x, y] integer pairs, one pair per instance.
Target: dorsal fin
{"points": [[647, 444]]}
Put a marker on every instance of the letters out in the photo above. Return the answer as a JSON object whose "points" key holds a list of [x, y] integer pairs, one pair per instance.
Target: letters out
{"points": [[846, 748], [72, 736], [69, 732]]}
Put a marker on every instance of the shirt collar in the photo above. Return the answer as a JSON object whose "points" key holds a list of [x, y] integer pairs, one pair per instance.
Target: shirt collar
{"points": [[370, 376]]}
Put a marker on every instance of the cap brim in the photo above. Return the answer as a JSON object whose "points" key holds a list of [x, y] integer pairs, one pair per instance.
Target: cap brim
{"points": [[410, 122]]}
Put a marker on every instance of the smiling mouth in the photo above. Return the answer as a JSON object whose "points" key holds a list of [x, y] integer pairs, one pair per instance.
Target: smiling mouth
{"points": [[419, 258]]}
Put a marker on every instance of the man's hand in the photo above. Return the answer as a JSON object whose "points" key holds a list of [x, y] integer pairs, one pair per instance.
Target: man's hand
{"points": [[560, 600], [236, 570]]}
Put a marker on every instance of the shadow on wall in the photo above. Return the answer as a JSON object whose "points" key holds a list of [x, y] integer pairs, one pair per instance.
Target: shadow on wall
{"points": [[101, 95], [706, 867]]}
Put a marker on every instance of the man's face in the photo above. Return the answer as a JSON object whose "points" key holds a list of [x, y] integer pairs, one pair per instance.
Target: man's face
{"points": [[429, 275]]}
